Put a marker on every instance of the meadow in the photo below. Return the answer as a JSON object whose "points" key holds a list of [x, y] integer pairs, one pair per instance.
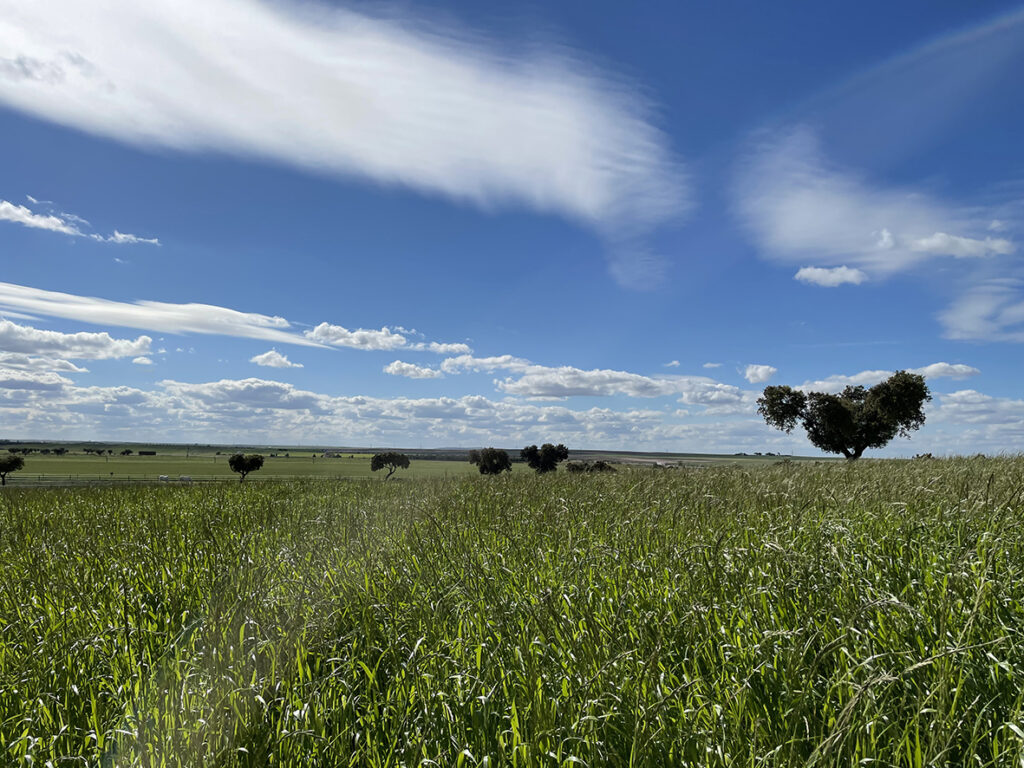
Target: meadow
{"points": [[866, 614]]}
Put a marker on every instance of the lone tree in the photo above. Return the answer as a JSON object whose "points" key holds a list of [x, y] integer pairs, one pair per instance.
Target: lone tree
{"points": [[854, 420], [491, 461], [243, 464], [545, 458], [10, 463], [390, 461]]}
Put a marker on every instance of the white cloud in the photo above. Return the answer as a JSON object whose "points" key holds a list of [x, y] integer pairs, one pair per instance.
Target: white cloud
{"points": [[15, 378], [838, 382], [962, 247], [411, 371], [124, 239], [27, 362], [273, 359], [331, 90], [566, 381], [672, 364], [992, 311], [539, 382], [142, 361], [758, 374], [485, 364], [19, 214], [799, 207], [711, 365], [339, 336], [63, 223], [946, 370], [442, 348], [74, 346], [150, 315], [830, 278]]}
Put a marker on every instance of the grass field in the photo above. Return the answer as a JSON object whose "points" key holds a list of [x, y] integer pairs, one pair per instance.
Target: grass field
{"points": [[203, 463], [796, 614], [78, 467]]}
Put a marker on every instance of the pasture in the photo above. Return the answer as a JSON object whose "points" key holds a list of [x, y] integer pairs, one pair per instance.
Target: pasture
{"points": [[73, 468], [792, 614]]}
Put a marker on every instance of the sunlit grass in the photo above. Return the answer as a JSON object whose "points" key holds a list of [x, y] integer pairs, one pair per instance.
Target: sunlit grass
{"points": [[789, 615]]}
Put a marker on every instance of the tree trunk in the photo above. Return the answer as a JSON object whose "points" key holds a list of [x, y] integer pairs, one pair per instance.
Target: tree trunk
{"points": [[3, 479], [241, 476], [390, 473]]}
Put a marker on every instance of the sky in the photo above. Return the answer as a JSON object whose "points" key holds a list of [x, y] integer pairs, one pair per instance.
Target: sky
{"points": [[428, 224]]}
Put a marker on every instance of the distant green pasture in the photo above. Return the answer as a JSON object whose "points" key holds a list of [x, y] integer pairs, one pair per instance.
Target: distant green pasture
{"points": [[78, 467]]}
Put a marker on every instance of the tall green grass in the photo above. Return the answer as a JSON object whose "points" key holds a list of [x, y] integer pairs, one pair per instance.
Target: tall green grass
{"points": [[841, 615]]}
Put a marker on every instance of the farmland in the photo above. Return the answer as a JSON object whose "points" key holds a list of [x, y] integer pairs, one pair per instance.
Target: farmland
{"points": [[758, 615]]}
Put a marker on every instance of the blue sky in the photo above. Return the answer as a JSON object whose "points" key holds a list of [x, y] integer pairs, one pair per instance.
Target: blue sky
{"points": [[464, 224]]}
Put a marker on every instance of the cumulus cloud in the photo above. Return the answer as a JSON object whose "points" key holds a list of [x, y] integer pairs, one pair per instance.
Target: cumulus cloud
{"points": [[991, 311], [711, 365], [63, 223], [463, 363], [398, 101], [442, 348], [672, 364], [800, 207], [339, 336], [830, 278], [758, 374], [74, 346], [27, 362], [273, 359], [142, 361], [411, 371], [540, 382]]}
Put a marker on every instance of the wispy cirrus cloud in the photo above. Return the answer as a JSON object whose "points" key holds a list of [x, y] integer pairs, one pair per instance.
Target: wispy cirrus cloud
{"points": [[396, 100], [30, 303], [149, 315], [63, 223], [800, 207], [990, 311]]}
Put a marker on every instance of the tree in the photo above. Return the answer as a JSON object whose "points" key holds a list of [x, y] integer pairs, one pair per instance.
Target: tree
{"points": [[854, 420], [126, 452], [491, 461], [243, 464], [546, 458], [391, 461], [9, 464]]}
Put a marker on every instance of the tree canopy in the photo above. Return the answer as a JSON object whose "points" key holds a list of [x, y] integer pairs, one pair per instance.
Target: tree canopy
{"points": [[10, 463], [491, 461], [243, 464], [391, 461], [854, 420], [545, 458]]}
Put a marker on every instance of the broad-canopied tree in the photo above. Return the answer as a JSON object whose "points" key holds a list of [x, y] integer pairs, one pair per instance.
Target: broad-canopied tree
{"points": [[390, 461], [491, 461], [545, 458], [854, 420], [243, 464], [10, 464]]}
